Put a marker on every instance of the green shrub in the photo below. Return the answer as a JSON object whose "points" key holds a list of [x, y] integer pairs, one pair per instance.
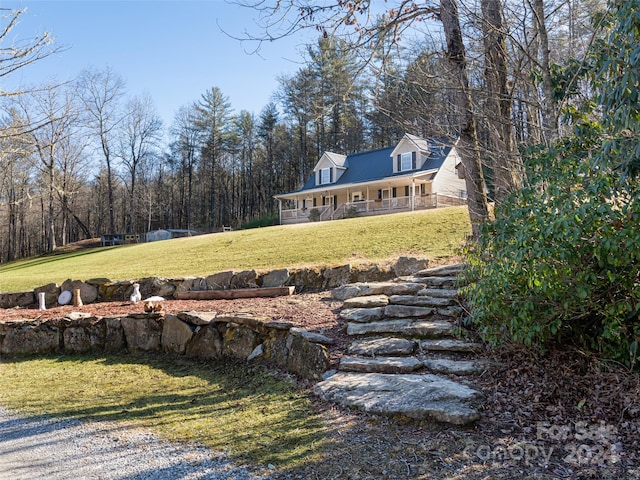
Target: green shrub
{"points": [[561, 260], [263, 221], [352, 212], [314, 215]]}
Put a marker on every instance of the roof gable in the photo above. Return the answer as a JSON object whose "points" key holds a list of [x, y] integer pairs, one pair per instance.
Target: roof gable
{"points": [[330, 159], [411, 143], [378, 164]]}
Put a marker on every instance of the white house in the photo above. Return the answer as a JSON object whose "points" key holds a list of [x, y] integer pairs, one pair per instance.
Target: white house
{"points": [[414, 174]]}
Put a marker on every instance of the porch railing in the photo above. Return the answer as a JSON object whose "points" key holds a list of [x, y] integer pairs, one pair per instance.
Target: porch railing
{"points": [[326, 214], [374, 207]]}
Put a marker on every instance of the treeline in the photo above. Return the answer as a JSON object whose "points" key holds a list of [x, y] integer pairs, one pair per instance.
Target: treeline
{"points": [[85, 158]]}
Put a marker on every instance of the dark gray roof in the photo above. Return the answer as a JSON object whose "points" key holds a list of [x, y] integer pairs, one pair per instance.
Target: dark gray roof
{"points": [[365, 167]]}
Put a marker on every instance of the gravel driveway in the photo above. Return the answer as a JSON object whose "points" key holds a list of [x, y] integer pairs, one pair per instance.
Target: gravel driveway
{"points": [[37, 448]]}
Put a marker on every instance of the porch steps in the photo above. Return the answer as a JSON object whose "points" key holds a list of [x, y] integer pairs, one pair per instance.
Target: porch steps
{"points": [[408, 354]]}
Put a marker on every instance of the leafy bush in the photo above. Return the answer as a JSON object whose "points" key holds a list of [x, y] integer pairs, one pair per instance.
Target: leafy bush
{"points": [[314, 215], [352, 212], [561, 260], [263, 221]]}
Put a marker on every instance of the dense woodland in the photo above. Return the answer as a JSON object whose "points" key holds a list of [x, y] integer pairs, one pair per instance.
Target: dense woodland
{"points": [[86, 158]]}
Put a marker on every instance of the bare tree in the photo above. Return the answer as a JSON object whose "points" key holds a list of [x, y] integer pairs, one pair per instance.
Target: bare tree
{"points": [[549, 110], [15, 53], [72, 170], [16, 165], [469, 146], [139, 136], [101, 93], [52, 108], [506, 162]]}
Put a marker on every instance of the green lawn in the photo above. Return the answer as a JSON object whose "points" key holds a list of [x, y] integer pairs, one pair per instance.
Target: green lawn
{"points": [[431, 233], [252, 414]]}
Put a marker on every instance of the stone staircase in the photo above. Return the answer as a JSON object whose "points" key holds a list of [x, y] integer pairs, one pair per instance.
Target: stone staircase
{"points": [[408, 356]]}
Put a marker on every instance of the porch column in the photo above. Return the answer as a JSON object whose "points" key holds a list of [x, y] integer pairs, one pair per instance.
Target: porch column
{"points": [[280, 210], [367, 198], [413, 194]]}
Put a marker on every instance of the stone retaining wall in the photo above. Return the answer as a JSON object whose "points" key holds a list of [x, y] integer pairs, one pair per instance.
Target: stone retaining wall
{"points": [[193, 334], [304, 279]]}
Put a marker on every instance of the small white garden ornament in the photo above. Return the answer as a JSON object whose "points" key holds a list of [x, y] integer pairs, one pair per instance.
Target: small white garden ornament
{"points": [[135, 296]]}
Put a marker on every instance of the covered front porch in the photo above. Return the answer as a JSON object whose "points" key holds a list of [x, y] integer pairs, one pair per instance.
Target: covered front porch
{"points": [[400, 195]]}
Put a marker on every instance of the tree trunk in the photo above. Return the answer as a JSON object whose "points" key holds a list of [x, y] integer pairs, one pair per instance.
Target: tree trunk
{"points": [[468, 143], [506, 164], [549, 111], [112, 221]]}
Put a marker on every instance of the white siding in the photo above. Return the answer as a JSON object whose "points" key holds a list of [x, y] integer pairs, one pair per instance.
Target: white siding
{"points": [[325, 162], [407, 146], [446, 181]]}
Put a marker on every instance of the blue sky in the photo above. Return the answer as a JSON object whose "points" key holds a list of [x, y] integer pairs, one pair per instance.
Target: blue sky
{"points": [[172, 50]]}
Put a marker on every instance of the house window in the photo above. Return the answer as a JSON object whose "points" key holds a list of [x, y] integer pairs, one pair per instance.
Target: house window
{"points": [[406, 191], [405, 161], [325, 176]]}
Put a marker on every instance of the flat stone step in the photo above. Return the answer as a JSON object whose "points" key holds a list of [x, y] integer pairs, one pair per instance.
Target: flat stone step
{"points": [[439, 292], [399, 311], [380, 364], [421, 301], [422, 397], [455, 367], [442, 271], [362, 315], [360, 289], [367, 301], [407, 327], [429, 329], [385, 346], [449, 345], [436, 282], [383, 326]]}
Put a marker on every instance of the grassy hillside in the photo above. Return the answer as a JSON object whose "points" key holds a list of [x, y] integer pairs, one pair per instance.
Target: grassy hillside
{"points": [[431, 233]]}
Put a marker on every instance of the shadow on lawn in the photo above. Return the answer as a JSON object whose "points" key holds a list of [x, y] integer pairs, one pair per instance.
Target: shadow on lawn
{"points": [[262, 418], [257, 416], [52, 257]]}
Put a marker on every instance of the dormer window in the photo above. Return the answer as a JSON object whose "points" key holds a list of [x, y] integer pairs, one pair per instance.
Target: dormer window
{"points": [[325, 176], [406, 161]]}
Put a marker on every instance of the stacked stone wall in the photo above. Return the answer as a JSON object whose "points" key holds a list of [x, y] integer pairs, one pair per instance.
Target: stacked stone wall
{"points": [[192, 334], [311, 279]]}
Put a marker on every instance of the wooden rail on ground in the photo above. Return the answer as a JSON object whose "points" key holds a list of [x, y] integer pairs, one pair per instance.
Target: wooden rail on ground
{"points": [[236, 293]]}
